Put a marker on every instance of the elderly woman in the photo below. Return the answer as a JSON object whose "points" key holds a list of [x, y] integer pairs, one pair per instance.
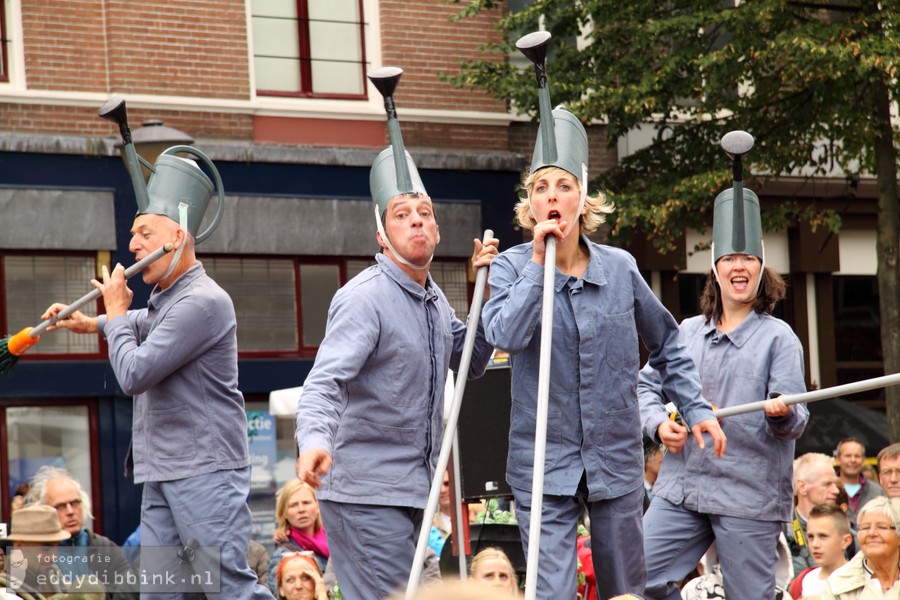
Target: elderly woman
{"points": [[298, 527], [493, 567], [298, 578], [874, 572]]}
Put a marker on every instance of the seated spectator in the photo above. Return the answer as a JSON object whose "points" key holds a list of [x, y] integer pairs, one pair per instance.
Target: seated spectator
{"points": [[34, 529], [889, 470], [851, 456], [90, 552], [298, 578], [828, 537], [492, 566], [843, 500], [258, 560], [874, 572], [441, 525], [298, 527], [455, 590], [815, 482], [18, 499]]}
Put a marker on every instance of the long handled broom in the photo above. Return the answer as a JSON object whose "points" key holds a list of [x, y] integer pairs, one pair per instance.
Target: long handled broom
{"points": [[12, 347]]}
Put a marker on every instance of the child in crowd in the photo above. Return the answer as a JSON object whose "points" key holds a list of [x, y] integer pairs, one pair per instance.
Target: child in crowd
{"points": [[828, 536]]}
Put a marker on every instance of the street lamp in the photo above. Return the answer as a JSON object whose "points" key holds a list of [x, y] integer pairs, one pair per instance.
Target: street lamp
{"points": [[151, 139]]}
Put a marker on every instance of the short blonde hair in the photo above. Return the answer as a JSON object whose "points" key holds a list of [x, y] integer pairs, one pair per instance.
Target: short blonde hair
{"points": [[283, 497], [493, 553], [596, 207]]}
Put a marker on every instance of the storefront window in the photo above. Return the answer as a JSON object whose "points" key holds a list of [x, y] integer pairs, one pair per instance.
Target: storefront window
{"points": [[48, 435]]}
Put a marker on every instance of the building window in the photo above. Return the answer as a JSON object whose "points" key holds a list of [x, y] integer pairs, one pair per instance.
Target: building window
{"points": [[857, 333], [282, 303], [264, 295], [310, 48], [31, 283], [58, 436], [4, 44]]}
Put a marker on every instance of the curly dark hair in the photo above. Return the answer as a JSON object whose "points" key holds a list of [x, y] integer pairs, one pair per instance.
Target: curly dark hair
{"points": [[771, 291]]}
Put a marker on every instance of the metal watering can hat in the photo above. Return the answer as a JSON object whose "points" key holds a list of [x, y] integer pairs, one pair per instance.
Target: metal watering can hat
{"points": [[737, 224], [178, 188], [394, 171], [562, 140]]}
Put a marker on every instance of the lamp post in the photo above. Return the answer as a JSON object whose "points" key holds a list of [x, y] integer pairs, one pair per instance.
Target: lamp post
{"points": [[152, 138]]}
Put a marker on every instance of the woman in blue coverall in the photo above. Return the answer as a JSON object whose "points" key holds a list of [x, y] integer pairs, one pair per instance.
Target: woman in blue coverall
{"points": [[743, 354], [594, 450]]}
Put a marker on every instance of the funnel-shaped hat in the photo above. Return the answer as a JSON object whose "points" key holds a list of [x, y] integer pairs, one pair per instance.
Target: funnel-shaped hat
{"points": [[393, 172], [562, 141], [178, 188], [737, 224]]}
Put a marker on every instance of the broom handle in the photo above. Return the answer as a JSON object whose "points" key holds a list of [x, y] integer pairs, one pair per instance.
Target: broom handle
{"points": [[95, 293], [434, 494], [815, 395], [542, 410]]}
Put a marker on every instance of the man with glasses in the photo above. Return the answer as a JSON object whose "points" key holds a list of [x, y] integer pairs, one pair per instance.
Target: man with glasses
{"points": [[90, 554], [889, 470]]}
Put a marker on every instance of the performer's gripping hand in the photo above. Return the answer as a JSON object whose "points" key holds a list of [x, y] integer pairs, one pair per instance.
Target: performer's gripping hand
{"points": [[116, 295], [77, 322], [312, 464], [776, 407], [484, 253], [712, 427], [541, 231], [673, 435]]}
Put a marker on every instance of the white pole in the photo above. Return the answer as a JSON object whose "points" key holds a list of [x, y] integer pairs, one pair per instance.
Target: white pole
{"points": [[450, 429], [543, 407], [460, 532], [815, 395]]}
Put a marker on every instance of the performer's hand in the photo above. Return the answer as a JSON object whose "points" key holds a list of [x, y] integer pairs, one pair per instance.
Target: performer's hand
{"points": [[482, 257], [672, 435], [116, 295], [712, 427], [541, 231], [484, 253], [77, 322], [776, 407], [312, 464]]}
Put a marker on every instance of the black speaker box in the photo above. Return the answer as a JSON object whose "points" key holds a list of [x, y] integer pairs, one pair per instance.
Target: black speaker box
{"points": [[483, 430]]}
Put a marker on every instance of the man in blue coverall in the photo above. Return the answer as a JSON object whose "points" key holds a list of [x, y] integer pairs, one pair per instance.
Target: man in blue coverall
{"points": [[178, 359], [369, 422]]}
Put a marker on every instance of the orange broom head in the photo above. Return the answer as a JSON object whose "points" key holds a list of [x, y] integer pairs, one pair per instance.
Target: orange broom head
{"points": [[19, 343]]}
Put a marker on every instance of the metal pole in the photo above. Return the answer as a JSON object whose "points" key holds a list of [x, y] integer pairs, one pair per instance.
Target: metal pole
{"points": [[450, 428], [95, 293], [460, 532], [543, 407], [815, 395]]}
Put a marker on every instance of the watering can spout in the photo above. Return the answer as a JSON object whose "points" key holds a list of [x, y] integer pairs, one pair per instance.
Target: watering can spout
{"points": [[175, 182], [114, 110]]}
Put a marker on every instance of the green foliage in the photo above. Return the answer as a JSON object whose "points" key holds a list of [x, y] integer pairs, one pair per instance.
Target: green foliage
{"points": [[493, 514], [796, 75]]}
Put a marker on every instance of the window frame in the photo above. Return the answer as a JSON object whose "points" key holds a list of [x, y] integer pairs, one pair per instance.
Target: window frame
{"points": [[93, 433], [13, 328], [305, 51], [5, 42], [301, 350]]}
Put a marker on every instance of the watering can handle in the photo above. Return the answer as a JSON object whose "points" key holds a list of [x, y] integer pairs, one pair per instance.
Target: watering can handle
{"points": [[220, 190]]}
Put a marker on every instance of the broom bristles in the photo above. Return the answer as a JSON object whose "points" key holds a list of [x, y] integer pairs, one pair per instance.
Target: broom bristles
{"points": [[7, 359], [12, 347]]}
